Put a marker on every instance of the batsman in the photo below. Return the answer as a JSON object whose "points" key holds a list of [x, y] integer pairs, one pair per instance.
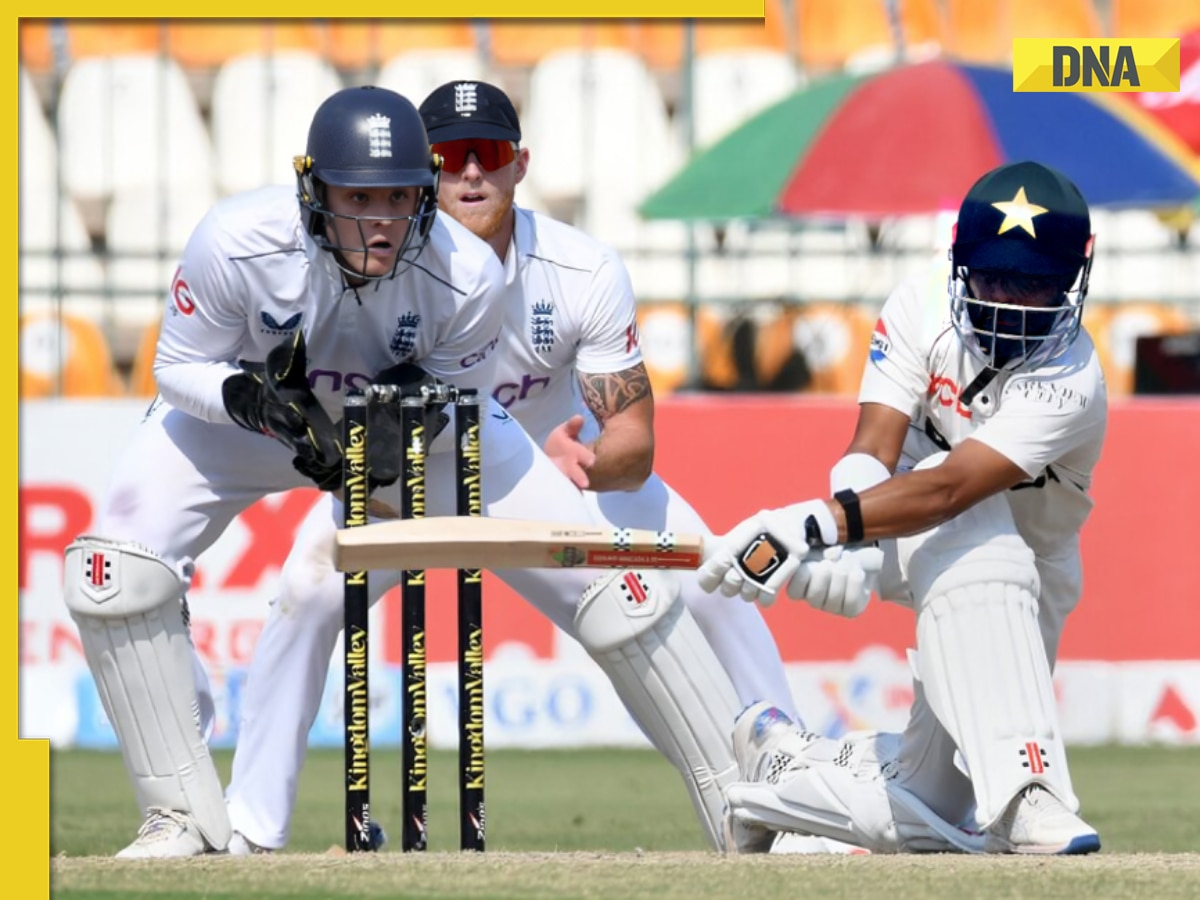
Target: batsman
{"points": [[966, 481]]}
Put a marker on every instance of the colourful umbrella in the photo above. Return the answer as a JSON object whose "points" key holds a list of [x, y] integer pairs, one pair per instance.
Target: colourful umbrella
{"points": [[912, 140]]}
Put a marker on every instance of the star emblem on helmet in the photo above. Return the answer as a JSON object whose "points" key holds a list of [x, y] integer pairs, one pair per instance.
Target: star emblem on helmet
{"points": [[1019, 213]]}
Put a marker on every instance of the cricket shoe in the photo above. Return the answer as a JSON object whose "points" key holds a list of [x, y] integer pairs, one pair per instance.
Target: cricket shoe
{"points": [[787, 842], [768, 747], [240, 845], [1037, 822], [166, 834]]}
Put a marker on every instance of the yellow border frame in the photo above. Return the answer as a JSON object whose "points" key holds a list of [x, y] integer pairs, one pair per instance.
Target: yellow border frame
{"points": [[26, 835]]}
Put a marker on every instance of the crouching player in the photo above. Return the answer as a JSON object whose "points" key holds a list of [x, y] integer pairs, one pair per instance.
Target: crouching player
{"points": [[979, 427]]}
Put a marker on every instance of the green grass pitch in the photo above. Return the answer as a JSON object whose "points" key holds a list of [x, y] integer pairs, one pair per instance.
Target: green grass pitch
{"points": [[614, 823]]}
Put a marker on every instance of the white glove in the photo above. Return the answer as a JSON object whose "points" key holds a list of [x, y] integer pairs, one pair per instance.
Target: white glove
{"points": [[840, 582], [761, 553]]}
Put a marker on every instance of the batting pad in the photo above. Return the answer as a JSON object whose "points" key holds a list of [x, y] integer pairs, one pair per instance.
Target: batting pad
{"points": [[647, 642], [983, 666], [126, 604]]}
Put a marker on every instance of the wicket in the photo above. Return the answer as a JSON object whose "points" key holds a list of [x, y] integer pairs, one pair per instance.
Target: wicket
{"points": [[417, 409]]}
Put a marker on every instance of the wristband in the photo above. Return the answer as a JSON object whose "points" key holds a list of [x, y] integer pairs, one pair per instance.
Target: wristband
{"points": [[854, 523]]}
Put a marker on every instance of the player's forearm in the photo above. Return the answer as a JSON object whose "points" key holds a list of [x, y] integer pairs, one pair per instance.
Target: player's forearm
{"points": [[195, 388], [906, 504], [624, 460]]}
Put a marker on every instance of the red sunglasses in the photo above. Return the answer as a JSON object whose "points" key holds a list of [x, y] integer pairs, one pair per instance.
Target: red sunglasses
{"points": [[492, 155]]}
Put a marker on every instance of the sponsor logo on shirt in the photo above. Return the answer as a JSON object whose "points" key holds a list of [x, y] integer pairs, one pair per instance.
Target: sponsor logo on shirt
{"points": [[880, 345], [270, 325], [332, 380], [1056, 395], [945, 392], [473, 359], [511, 392], [631, 337], [181, 294]]}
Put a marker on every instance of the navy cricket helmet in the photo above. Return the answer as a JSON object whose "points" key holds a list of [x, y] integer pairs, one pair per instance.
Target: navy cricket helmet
{"points": [[367, 137], [1024, 226]]}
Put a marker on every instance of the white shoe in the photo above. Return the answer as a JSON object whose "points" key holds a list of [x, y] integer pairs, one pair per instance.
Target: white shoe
{"points": [[166, 834], [240, 845], [787, 842], [1037, 822], [767, 745]]}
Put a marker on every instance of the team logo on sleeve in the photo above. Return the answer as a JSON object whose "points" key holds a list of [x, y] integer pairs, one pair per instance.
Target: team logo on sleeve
{"points": [[880, 345], [404, 338], [541, 326], [270, 325], [631, 337], [181, 294]]}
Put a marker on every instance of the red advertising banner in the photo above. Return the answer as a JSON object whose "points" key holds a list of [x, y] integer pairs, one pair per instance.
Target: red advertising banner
{"points": [[731, 455]]}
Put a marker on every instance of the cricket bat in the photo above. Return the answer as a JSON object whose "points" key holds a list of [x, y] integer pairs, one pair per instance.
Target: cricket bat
{"points": [[462, 542]]}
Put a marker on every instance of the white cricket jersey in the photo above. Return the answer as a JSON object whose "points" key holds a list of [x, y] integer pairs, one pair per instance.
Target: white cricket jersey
{"points": [[251, 275], [1049, 421], [569, 307]]}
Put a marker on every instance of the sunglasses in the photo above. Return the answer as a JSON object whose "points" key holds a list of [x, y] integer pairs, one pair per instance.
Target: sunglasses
{"points": [[492, 155]]}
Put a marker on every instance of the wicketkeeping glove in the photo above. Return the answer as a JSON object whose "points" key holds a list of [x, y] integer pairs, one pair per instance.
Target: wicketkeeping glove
{"points": [[277, 401], [385, 450]]}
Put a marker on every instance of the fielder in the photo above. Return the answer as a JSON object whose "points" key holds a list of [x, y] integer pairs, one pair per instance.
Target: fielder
{"points": [[659, 660], [991, 414]]}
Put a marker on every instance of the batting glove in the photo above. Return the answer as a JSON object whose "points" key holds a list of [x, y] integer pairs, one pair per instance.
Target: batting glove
{"points": [[761, 554], [840, 581]]}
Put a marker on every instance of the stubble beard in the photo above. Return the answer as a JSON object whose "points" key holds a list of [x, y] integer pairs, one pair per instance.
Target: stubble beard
{"points": [[486, 223]]}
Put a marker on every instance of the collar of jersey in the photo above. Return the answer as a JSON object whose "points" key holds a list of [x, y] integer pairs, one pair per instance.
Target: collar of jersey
{"points": [[520, 246]]}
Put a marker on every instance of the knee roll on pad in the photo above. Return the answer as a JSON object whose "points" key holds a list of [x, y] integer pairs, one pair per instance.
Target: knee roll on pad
{"points": [[642, 635], [126, 603]]}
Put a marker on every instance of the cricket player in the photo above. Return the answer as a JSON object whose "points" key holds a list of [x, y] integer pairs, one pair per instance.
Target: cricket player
{"points": [[569, 367], [980, 424], [284, 300], [280, 302]]}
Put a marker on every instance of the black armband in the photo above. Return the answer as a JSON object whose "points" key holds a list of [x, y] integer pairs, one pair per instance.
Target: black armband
{"points": [[854, 523]]}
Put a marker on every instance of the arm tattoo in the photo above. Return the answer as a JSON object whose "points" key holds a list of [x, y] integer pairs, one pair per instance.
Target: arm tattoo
{"points": [[611, 393]]}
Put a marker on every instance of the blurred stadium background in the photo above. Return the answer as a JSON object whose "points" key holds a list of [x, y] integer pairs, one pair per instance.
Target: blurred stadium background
{"points": [[130, 129], [137, 126]]}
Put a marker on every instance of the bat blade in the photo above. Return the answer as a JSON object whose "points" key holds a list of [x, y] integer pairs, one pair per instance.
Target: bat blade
{"points": [[453, 542]]}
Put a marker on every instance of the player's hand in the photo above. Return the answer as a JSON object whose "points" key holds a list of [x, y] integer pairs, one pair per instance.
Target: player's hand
{"points": [[385, 442], [326, 476], [840, 581], [760, 555], [572, 456], [275, 400]]}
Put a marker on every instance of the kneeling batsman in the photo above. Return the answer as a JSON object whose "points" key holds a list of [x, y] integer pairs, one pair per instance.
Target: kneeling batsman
{"points": [[795, 780], [984, 701]]}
